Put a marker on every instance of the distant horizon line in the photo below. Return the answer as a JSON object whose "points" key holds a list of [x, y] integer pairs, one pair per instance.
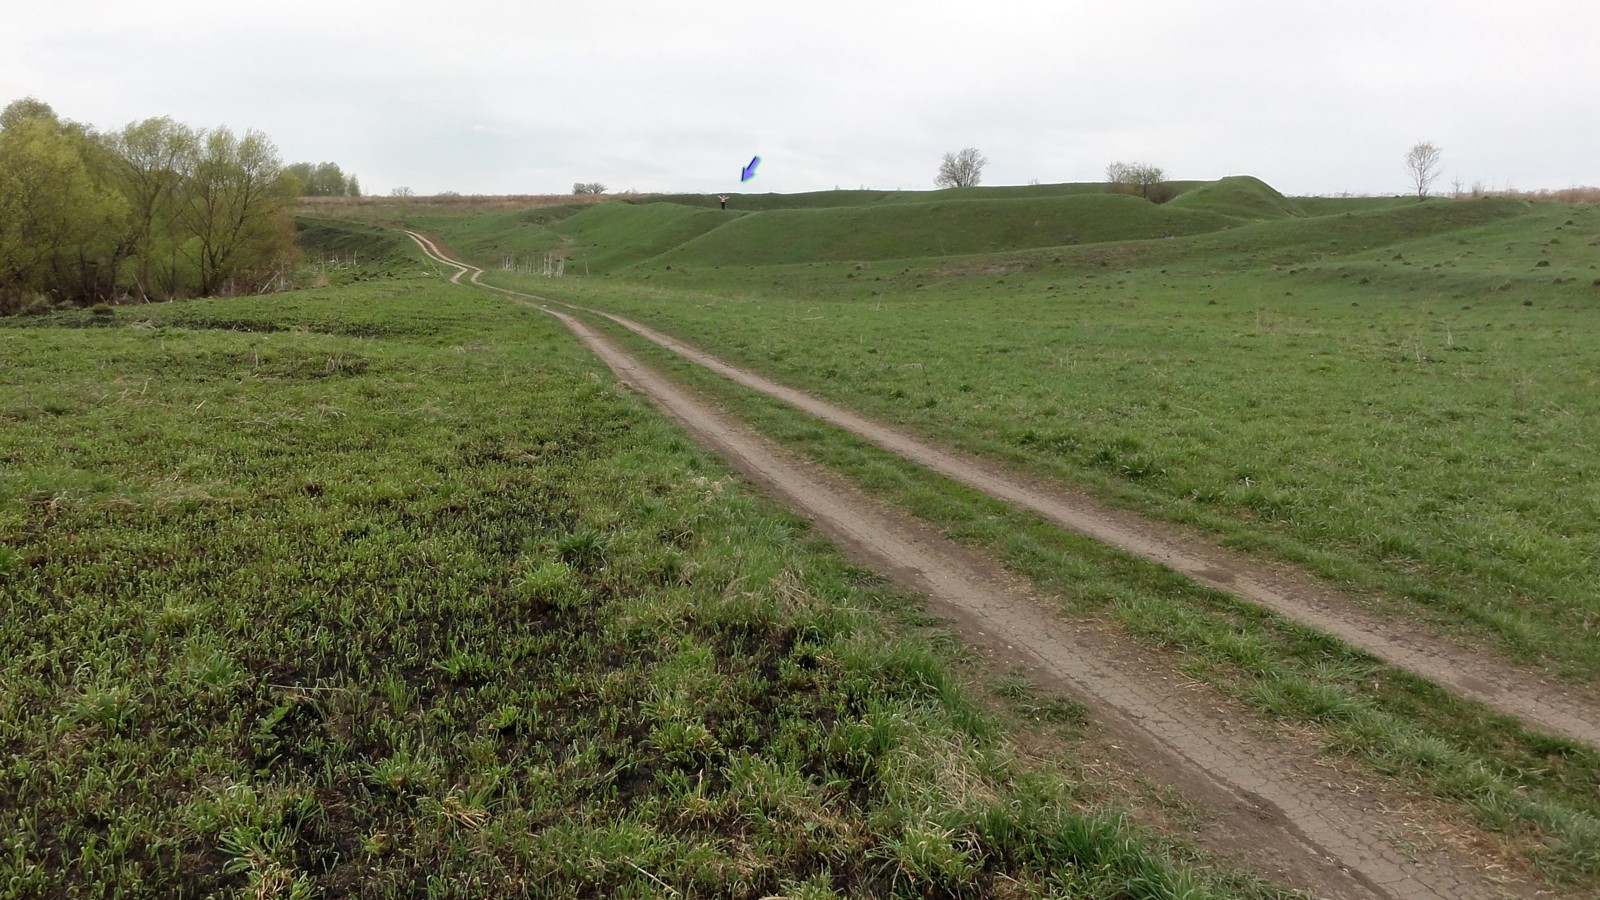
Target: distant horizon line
{"points": [[1587, 193]]}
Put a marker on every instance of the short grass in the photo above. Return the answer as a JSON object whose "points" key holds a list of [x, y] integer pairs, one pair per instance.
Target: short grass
{"points": [[1396, 394], [1240, 196], [690, 230], [937, 227], [848, 197], [1401, 398], [387, 589], [1538, 792]]}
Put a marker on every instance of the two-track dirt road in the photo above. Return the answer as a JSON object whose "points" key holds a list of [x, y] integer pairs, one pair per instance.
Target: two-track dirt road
{"points": [[1522, 694], [1277, 810]]}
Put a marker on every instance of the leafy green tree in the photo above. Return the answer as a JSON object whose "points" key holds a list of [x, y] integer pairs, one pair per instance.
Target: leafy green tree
{"points": [[327, 180], [155, 208], [62, 227], [19, 111], [301, 172], [149, 160], [235, 206], [324, 180]]}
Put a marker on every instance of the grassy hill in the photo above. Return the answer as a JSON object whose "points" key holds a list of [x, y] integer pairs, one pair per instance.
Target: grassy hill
{"points": [[1241, 196], [864, 197], [1230, 223], [613, 235], [940, 228]]}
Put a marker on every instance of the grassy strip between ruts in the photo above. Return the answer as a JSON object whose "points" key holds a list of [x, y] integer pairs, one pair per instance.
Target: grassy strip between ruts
{"points": [[1537, 791], [387, 590]]}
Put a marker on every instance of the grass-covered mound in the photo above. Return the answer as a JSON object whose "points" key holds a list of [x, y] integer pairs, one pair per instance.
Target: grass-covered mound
{"points": [[1241, 196], [896, 231], [864, 197], [1292, 241]]}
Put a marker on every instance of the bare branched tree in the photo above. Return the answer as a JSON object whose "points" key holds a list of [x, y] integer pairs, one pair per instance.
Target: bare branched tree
{"points": [[964, 169], [1134, 177], [1422, 165], [588, 187]]}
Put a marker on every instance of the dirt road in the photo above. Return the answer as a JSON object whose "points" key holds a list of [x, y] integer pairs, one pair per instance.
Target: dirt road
{"points": [[1520, 693], [1278, 811]]}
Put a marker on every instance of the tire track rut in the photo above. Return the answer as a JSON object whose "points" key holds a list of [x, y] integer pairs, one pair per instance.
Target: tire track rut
{"points": [[1277, 810]]}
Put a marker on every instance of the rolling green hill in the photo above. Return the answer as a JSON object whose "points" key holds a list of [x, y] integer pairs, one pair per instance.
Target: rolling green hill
{"points": [[866, 197], [1242, 196], [617, 234], [894, 231], [1232, 224]]}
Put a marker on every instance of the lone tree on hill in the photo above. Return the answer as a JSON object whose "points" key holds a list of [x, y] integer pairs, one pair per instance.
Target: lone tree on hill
{"points": [[964, 169], [1422, 165], [1134, 177], [588, 187]]}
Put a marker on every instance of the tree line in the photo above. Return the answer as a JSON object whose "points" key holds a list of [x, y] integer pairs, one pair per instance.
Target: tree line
{"points": [[155, 210], [325, 180]]}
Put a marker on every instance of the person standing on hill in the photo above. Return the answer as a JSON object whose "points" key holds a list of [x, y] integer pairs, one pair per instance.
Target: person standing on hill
{"points": [[723, 199]]}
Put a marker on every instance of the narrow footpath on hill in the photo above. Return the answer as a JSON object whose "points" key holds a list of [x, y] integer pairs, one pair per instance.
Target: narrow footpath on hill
{"points": [[1277, 810]]}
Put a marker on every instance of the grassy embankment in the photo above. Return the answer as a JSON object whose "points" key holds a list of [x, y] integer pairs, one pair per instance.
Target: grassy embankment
{"points": [[1393, 397], [385, 588]]}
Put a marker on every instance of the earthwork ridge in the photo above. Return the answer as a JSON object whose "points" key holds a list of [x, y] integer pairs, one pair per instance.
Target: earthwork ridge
{"points": [[1286, 815]]}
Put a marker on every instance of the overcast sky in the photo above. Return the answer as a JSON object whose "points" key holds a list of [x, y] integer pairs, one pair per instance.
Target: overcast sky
{"points": [[487, 96]]}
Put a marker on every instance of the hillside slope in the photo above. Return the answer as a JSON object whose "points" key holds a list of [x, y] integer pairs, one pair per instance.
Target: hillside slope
{"points": [[894, 231]]}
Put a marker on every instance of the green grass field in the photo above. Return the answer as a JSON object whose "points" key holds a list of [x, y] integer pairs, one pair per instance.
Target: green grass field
{"points": [[1399, 396], [387, 589]]}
